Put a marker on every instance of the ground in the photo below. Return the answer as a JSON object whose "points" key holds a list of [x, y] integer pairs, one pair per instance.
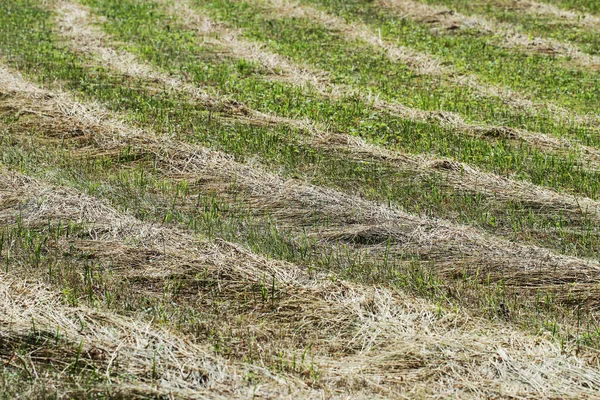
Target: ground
{"points": [[299, 199]]}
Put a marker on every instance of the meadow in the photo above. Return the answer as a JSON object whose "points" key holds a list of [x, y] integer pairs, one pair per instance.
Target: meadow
{"points": [[299, 199]]}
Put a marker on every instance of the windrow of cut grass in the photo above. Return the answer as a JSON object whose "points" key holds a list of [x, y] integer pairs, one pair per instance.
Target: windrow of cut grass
{"points": [[443, 147], [538, 76], [350, 336], [324, 229], [461, 95], [52, 350], [420, 61], [101, 318], [573, 17], [501, 213], [75, 21], [387, 77], [531, 212], [536, 19]]}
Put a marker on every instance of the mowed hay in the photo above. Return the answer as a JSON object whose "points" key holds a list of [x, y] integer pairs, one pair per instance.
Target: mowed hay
{"points": [[367, 341], [129, 357], [100, 298], [145, 352], [74, 22], [381, 229], [319, 80], [358, 228], [509, 36]]}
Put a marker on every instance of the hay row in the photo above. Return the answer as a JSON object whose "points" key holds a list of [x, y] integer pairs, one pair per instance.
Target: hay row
{"points": [[291, 200], [75, 23], [369, 342], [442, 18]]}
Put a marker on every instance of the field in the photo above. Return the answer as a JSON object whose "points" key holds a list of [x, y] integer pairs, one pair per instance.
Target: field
{"points": [[299, 199]]}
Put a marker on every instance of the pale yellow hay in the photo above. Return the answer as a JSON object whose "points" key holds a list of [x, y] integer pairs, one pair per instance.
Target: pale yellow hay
{"points": [[185, 370], [431, 236], [394, 343], [76, 21], [318, 79], [421, 62], [509, 35], [73, 23]]}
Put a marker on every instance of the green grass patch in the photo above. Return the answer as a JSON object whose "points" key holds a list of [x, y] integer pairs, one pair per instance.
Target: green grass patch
{"points": [[544, 26], [591, 6], [282, 147], [353, 116], [358, 64], [541, 76]]}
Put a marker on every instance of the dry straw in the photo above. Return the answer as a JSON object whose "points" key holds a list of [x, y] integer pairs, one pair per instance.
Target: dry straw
{"points": [[353, 218], [368, 342]]}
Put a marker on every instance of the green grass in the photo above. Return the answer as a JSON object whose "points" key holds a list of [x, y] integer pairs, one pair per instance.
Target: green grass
{"points": [[346, 115], [56, 254], [134, 181], [282, 147], [357, 64], [581, 5], [536, 25], [77, 372], [216, 217], [541, 76], [69, 258]]}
